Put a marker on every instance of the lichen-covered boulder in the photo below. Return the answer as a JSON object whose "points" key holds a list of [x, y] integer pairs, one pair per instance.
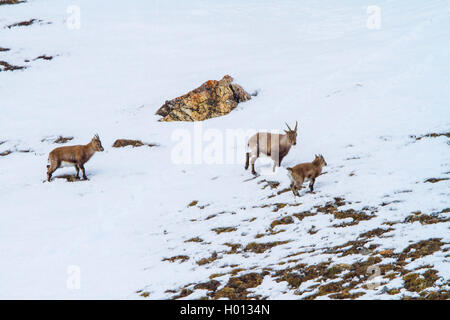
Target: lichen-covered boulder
{"points": [[212, 99]]}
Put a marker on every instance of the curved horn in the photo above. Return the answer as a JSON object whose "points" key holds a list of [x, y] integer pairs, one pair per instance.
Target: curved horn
{"points": [[288, 127], [296, 125]]}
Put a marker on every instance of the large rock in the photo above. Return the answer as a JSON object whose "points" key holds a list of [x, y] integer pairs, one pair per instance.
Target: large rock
{"points": [[119, 143], [212, 99]]}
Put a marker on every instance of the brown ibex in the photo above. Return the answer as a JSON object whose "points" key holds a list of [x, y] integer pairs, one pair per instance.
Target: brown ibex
{"points": [[302, 171], [274, 145], [76, 156]]}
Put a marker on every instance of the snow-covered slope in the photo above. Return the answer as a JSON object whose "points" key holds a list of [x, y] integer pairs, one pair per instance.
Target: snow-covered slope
{"points": [[364, 98]]}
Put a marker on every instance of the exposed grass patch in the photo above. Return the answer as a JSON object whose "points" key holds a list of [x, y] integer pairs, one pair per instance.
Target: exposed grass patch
{"points": [[417, 283], [355, 274], [193, 203], [237, 287], [386, 253], [354, 247], [5, 153], [333, 208], [357, 216], [23, 23], [332, 272], [434, 180], [328, 288], [285, 220], [374, 233], [345, 294], [180, 258], [196, 239], [431, 135], [234, 247], [283, 191], [5, 66], [9, 151], [262, 247], [204, 261], [436, 295], [424, 218], [339, 201], [273, 232], [235, 271], [61, 139], [295, 276], [421, 249], [393, 291], [43, 57], [224, 229], [279, 206], [4, 2], [184, 293], [302, 215], [211, 285]]}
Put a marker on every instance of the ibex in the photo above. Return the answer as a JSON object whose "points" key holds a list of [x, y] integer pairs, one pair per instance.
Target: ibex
{"points": [[75, 156], [276, 146], [309, 170]]}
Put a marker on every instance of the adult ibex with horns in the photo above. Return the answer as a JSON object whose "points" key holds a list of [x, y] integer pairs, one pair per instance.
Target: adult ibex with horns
{"points": [[75, 156], [274, 145]]}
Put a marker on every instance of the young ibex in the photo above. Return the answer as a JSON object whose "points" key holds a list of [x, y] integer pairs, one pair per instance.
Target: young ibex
{"points": [[276, 146], [302, 171], [76, 156]]}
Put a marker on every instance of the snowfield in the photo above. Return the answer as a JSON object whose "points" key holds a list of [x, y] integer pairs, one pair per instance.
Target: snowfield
{"points": [[374, 102]]}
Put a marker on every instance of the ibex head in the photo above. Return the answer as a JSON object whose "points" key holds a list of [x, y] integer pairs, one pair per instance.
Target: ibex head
{"points": [[292, 134], [96, 143], [320, 160]]}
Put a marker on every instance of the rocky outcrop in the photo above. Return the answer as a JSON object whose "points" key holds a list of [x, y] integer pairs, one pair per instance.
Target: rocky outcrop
{"points": [[2, 2], [212, 99], [119, 143], [5, 66]]}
